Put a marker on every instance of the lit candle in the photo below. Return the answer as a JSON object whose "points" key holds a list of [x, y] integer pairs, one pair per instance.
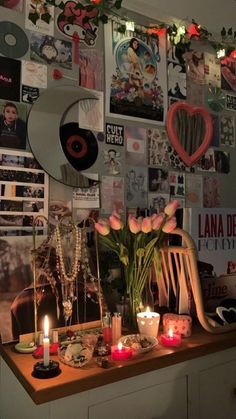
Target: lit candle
{"points": [[148, 322], [46, 342], [120, 353], [170, 339]]}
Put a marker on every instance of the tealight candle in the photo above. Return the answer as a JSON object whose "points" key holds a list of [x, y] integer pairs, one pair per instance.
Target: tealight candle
{"points": [[170, 339], [148, 322], [46, 342], [120, 353]]}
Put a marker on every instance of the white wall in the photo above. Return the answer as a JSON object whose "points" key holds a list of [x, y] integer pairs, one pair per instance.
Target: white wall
{"points": [[214, 14]]}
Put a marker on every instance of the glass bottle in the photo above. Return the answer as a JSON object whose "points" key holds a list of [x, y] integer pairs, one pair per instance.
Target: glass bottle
{"points": [[106, 328], [116, 327]]}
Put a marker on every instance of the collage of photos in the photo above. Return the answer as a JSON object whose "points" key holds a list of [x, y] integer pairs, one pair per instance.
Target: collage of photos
{"points": [[23, 192]]}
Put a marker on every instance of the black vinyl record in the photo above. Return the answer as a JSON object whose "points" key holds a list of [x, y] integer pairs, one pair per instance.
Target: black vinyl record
{"points": [[79, 146]]}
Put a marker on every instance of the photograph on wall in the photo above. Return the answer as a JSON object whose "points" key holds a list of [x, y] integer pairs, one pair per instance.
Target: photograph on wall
{"points": [[23, 189], [207, 162], [228, 74], [136, 186], [112, 161], [230, 103], [34, 74], [112, 194], [91, 72], [43, 10], [227, 131], [86, 197], [193, 190], [10, 71], [177, 184], [212, 69], [195, 66], [135, 144], [157, 147], [29, 94], [174, 159], [222, 161], [15, 275], [46, 49], [136, 76], [157, 202], [13, 118], [91, 112], [211, 192], [177, 81], [158, 180]]}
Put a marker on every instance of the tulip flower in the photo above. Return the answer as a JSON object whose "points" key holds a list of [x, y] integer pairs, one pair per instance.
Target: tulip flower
{"points": [[102, 227], [170, 225], [146, 225], [115, 222], [157, 221], [171, 207], [134, 224]]}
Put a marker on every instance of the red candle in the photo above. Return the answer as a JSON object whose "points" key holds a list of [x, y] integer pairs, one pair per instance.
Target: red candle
{"points": [[170, 339], [120, 353], [107, 334]]}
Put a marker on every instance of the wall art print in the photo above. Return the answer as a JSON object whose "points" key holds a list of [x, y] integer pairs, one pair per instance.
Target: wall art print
{"points": [[136, 76]]}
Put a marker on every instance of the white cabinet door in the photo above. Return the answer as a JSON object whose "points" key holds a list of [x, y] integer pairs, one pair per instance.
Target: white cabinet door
{"points": [[163, 401], [217, 392]]}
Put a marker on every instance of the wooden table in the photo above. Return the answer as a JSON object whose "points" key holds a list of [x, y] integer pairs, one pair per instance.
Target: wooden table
{"points": [[76, 380]]}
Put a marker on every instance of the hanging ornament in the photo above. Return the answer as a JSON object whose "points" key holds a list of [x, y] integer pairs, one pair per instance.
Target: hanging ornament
{"points": [[215, 98]]}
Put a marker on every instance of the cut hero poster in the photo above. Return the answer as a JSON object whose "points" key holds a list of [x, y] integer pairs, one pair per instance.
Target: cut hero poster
{"points": [[136, 75]]}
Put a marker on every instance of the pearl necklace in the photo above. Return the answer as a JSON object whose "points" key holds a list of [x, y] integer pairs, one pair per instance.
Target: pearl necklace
{"points": [[72, 276]]}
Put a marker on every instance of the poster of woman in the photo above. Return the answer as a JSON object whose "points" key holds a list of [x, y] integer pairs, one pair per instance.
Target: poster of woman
{"points": [[136, 76]]}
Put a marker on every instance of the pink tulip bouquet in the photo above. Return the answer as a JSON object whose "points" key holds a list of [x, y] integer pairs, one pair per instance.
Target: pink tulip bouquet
{"points": [[137, 244]]}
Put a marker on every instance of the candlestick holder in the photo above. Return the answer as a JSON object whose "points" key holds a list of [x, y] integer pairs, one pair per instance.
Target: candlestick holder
{"points": [[49, 371]]}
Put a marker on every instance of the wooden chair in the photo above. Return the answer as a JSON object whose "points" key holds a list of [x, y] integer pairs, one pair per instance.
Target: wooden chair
{"points": [[179, 267]]}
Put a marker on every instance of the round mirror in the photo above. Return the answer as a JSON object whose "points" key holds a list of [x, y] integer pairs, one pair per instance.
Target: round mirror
{"points": [[60, 152]]}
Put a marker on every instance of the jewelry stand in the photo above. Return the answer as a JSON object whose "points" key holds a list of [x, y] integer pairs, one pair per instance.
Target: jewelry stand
{"points": [[34, 273]]}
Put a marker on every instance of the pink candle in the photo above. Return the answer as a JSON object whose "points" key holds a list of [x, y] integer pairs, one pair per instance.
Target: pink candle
{"points": [[170, 339], [120, 353]]}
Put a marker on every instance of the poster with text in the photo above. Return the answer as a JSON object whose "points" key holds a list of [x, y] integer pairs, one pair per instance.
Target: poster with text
{"points": [[136, 76], [214, 233]]}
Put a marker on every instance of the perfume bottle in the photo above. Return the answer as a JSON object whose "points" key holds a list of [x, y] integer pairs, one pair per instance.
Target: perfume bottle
{"points": [[106, 328], [116, 327]]}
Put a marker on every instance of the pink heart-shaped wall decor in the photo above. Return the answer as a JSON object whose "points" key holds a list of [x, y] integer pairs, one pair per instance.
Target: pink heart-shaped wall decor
{"points": [[190, 131]]}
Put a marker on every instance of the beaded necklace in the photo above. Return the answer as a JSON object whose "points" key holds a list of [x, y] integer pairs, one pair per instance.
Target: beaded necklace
{"points": [[68, 279]]}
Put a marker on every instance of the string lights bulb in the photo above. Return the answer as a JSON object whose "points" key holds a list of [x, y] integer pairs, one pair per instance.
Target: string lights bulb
{"points": [[130, 25], [220, 53]]}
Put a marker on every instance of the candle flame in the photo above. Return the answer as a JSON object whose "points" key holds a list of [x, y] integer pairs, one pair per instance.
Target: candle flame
{"points": [[120, 346], [148, 309], [171, 334], [46, 326]]}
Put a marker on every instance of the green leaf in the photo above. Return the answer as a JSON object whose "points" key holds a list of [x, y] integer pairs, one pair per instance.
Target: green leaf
{"points": [[118, 4], [46, 17], [79, 6], [124, 254], [90, 8], [33, 17], [96, 21], [61, 5], [121, 29], [71, 19], [103, 18], [85, 19]]}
